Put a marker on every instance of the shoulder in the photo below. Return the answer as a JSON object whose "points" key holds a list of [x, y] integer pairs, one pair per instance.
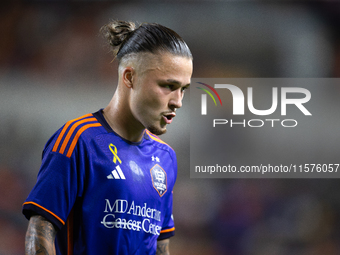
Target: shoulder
{"points": [[156, 141], [66, 138], [159, 144]]}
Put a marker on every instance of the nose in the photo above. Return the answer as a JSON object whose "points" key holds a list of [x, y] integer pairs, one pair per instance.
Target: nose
{"points": [[176, 99]]}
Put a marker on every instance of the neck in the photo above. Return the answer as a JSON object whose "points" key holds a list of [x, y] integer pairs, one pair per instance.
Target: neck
{"points": [[118, 115]]}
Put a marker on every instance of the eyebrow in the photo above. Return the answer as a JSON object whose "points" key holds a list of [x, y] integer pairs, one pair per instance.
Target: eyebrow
{"points": [[176, 82]]}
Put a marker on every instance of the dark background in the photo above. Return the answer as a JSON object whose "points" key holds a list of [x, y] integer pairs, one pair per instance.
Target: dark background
{"points": [[54, 66]]}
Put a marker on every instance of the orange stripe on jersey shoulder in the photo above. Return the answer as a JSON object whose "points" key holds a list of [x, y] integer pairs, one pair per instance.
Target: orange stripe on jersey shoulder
{"points": [[156, 138], [46, 211], [70, 132], [76, 137], [167, 230], [61, 135]]}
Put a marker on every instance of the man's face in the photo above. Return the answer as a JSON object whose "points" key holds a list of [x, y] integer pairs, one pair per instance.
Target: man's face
{"points": [[158, 90]]}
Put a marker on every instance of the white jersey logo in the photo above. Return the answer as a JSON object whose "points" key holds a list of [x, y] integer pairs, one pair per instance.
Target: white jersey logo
{"points": [[116, 173], [155, 159]]}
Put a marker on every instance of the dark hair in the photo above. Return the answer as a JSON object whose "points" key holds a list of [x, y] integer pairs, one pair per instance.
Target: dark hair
{"points": [[125, 39]]}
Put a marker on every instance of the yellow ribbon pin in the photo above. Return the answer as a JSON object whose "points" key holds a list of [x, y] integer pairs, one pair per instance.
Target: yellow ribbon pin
{"points": [[114, 152]]}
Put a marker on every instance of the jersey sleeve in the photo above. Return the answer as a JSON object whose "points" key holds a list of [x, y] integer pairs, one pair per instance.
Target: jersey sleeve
{"points": [[58, 185], [168, 228]]}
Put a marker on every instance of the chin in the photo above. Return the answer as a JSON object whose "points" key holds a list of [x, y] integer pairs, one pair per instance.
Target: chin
{"points": [[156, 130]]}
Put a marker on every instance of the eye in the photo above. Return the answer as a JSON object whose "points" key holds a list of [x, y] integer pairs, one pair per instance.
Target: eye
{"points": [[168, 86], [184, 88]]}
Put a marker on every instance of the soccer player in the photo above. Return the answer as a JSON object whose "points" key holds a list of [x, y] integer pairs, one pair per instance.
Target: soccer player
{"points": [[106, 179]]}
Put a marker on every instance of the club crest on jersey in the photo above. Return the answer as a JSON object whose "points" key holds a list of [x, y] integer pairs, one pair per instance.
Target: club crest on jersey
{"points": [[159, 179]]}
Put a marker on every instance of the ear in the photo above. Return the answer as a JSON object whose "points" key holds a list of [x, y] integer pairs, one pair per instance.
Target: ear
{"points": [[128, 76]]}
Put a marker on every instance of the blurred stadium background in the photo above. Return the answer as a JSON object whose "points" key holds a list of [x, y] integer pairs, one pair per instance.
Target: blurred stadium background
{"points": [[54, 66]]}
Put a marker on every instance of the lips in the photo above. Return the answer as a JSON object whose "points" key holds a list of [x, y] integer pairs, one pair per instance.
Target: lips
{"points": [[168, 117]]}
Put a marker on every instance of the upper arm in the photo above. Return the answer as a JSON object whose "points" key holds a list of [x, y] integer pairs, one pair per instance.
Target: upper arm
{"points": [[163, 247], [40, 236]]}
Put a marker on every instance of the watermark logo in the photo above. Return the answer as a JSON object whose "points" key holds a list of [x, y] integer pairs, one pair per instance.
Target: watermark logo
{"points": [[239, 99], [280, 98], [204, 97]]}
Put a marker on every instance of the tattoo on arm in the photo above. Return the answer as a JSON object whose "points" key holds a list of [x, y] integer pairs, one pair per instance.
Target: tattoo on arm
{"points": [[40, 237], [163, 247]]}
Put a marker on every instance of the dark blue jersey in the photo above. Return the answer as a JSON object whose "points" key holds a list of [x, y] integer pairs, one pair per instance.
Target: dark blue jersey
{"points": [[106, 195]]}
